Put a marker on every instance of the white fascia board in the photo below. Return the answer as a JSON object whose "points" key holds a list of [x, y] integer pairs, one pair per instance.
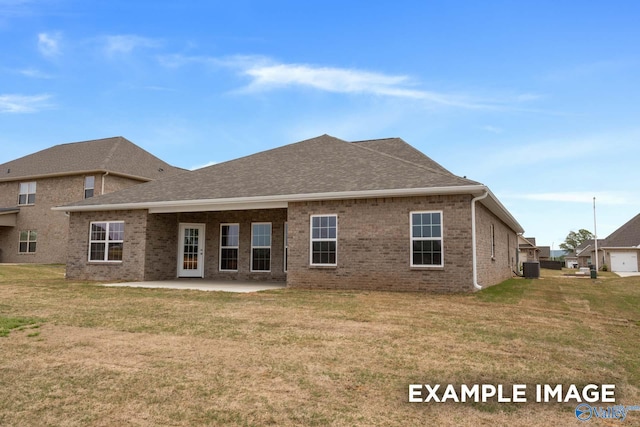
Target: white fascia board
{"points": [[495, 206]]}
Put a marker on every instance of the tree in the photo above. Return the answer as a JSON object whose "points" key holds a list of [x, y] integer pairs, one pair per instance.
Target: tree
{"points": [[575, 239]]}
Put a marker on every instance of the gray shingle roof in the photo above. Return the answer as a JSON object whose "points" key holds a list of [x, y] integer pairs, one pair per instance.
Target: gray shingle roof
{"points": [[627, 235], [116, 155], [319, 165]]}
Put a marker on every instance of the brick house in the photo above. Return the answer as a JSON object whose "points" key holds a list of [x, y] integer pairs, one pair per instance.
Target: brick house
{"points": [[30, 232], [620, 251], [320, 213]]}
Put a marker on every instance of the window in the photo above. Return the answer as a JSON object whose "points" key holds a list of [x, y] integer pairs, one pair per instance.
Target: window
{"points": [[261, 246], [27, 242], [426, 239], [286, 246], [106, 241], [493, 241], [324, 239], [27, 194], [229, 240], [89, 182]]}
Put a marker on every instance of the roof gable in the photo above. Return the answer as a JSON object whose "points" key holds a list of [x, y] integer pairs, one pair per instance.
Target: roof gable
{"points": [[627, 235], [115, 155]]}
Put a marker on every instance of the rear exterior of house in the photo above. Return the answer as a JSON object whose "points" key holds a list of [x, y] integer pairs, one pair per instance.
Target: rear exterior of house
{"points": [[30, 231], [361, 218]]}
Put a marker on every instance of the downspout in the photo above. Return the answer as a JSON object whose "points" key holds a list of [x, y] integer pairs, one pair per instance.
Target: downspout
{"points": [[103, 176], [473, 239]]}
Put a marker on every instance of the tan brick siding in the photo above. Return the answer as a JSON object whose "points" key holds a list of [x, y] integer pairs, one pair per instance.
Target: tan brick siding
{"points": [[496, 269], [132, 266], [374, 246], [154, 238], [51, 226]]}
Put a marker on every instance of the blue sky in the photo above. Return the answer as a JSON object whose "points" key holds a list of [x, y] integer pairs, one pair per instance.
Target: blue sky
{"points": [[539, 100]]}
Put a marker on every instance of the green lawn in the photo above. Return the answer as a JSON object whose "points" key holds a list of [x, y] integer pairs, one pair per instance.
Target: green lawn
{"points": [[76, 354]]}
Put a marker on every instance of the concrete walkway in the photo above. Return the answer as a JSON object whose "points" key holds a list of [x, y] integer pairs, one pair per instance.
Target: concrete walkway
{"points": [[627, 274], [203, 285]]}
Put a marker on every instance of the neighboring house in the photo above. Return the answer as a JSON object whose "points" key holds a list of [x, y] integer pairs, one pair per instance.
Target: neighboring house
{"points": [[620, 252], [585, 253], [528, 251], [544, 253], [321, 213], [30, 232]]}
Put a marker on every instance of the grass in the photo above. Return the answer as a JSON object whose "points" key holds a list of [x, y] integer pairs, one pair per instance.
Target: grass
{"points": [[145, 357]]}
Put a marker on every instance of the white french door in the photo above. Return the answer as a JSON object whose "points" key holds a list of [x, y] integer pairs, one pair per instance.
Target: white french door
{"points": [[191, 250]]}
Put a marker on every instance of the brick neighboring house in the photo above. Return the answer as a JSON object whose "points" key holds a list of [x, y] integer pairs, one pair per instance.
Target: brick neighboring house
{"points": [[620, 251], [320, 213], [30, 232]]}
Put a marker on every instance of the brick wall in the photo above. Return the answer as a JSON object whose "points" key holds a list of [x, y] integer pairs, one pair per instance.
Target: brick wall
{"points": [[51, 226], [499, 267], [132, 266], [162, 244], [374, 245]]}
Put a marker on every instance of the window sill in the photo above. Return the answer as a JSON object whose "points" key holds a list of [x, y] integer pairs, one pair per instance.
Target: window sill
{"points": [[427, 267], [104, 262], [324, 267]]}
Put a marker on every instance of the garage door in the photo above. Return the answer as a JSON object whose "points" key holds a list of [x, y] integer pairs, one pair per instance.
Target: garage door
{"points": [[624, 261]]}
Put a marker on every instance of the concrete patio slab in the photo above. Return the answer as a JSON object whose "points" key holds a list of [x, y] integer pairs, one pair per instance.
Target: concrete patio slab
{"points": [[627, 274], [203, 285]]}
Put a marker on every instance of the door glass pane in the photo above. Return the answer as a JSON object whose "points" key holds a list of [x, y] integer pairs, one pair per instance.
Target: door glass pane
{"points": [[190, 248]]}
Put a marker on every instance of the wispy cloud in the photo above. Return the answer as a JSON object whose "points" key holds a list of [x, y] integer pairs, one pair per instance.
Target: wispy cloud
{"points": [[492, 129], [49, 44], [12, 103], [203, 165], [125, 44], [266, 74], [613, 197], [34, 73]]}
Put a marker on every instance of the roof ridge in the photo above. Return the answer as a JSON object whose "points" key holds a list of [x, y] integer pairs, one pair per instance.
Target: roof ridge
{"points": [[111, 152], [440, 172]]}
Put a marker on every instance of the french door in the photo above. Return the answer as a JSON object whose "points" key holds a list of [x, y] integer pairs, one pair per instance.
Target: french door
{"points": [[191, 250]]}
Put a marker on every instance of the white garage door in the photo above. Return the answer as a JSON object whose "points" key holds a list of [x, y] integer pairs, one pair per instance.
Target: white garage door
{"points": [[624, 261]]}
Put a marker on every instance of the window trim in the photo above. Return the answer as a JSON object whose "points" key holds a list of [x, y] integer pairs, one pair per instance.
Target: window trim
{"points": [[412, 239], [492, 230], [28, 193], [106, 242], [28, 242], [312, 240], [251, 269], [237, 248]]}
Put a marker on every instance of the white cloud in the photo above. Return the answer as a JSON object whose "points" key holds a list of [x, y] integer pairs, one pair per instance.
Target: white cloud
{"points": [[602, 197], [49, 44], [492, 129], [23, 103], [34, 73], [203, 166], [265, 74], [125, 44]]}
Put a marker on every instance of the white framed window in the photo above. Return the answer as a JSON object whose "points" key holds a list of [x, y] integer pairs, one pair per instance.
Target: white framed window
{"points": [[89, 185], [286, 246], [27, 194], [324, 240], [229, 244], [426, 239], [28, 240], [106, 241], [261, 246]]}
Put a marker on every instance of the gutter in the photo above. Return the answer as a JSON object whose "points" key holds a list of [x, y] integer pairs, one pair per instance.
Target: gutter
{"points": [[103, 177], [474, 250]]}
